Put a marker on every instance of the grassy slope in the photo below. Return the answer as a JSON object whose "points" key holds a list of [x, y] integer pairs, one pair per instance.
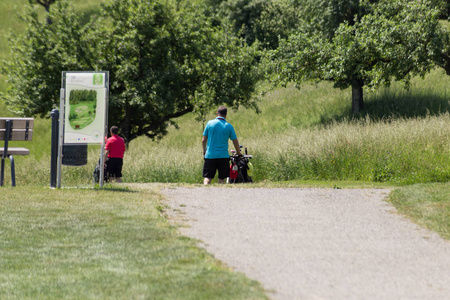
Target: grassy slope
{"points": [[287, 115], [9, 22]]}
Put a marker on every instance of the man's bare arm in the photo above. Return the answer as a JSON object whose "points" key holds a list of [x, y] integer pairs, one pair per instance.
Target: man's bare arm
{"points": [[236, 146], [204, 143]]}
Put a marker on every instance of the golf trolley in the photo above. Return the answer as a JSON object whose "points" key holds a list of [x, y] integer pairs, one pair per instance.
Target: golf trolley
{"points": [[240, 168], [96, 173]]}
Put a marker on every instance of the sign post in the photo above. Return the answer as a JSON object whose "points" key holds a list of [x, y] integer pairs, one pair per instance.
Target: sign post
{"points": [[83, 112]]}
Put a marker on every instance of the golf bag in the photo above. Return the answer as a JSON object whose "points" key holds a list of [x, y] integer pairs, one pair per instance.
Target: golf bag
{"points": [[241, 168], [96, 173]]}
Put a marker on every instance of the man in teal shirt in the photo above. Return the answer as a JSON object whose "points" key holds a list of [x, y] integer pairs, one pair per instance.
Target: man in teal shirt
{"points": [[215, 147]]}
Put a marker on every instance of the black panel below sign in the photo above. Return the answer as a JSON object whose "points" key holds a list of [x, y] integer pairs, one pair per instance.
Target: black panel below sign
{"points": [[75, 155]]}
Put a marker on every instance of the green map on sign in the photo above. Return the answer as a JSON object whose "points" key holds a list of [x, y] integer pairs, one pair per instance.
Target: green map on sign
{"points": [[83, 104]]}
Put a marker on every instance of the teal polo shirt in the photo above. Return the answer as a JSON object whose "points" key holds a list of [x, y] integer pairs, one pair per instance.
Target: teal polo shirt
{"points": [[218, 132]]}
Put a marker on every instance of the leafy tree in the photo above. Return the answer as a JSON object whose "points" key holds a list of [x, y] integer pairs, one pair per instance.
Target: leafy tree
{"points": [[444, 59], [40, 55], [323, 17], [262, 20], [393, 40], [443, 6], [163, 62]]}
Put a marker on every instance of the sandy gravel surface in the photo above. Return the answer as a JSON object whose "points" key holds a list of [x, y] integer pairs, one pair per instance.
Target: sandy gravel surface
{"points": [[316, 243]]}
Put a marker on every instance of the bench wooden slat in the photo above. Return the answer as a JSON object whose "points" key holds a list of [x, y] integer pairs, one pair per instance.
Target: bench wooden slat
{"points": [[17, 135], [16, 151], [19, 123]]}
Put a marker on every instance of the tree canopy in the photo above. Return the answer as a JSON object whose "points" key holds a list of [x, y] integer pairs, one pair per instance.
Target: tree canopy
{"points": [[265, 21], [164, 61], [383, 41], [167, 58]]}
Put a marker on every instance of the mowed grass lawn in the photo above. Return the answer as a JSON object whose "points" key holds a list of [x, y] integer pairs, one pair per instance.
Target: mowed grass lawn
{"points": [[426, 204], [85, 112], [110, 243]]}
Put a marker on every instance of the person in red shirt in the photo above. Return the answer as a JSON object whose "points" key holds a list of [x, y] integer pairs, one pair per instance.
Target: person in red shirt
{"points": [[115, 149]]}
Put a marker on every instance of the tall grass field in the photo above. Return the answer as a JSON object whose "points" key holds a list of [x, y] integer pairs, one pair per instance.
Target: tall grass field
{"points": [[305, 134]]}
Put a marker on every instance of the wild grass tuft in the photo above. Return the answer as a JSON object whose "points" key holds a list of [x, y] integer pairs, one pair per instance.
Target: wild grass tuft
{"points": [[393, 150]]}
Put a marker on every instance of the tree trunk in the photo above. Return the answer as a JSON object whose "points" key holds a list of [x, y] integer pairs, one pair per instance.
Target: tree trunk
{"points": [[126, 123], [448, 8], [46, 4], [47, 9], [357, 97]]}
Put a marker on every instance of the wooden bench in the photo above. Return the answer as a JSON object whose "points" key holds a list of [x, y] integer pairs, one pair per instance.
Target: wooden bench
{"points": [[14, 129]]}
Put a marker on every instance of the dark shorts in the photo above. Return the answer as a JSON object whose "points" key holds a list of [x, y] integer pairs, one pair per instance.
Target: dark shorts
{"points": [[114, 166], [211, 165]]}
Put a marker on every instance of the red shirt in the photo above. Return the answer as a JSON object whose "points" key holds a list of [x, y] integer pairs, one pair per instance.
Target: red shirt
{"points": [[116, 146]]}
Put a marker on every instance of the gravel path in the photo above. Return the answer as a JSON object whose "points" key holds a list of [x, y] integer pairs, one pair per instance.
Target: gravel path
{"points": [[316, 243]]}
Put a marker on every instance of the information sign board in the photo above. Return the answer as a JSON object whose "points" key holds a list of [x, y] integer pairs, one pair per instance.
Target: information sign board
{"points": [[85, 113]]}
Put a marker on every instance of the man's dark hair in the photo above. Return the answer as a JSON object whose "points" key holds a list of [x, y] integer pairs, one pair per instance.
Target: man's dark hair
{"points": [[114, 130], [222, 111]]}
